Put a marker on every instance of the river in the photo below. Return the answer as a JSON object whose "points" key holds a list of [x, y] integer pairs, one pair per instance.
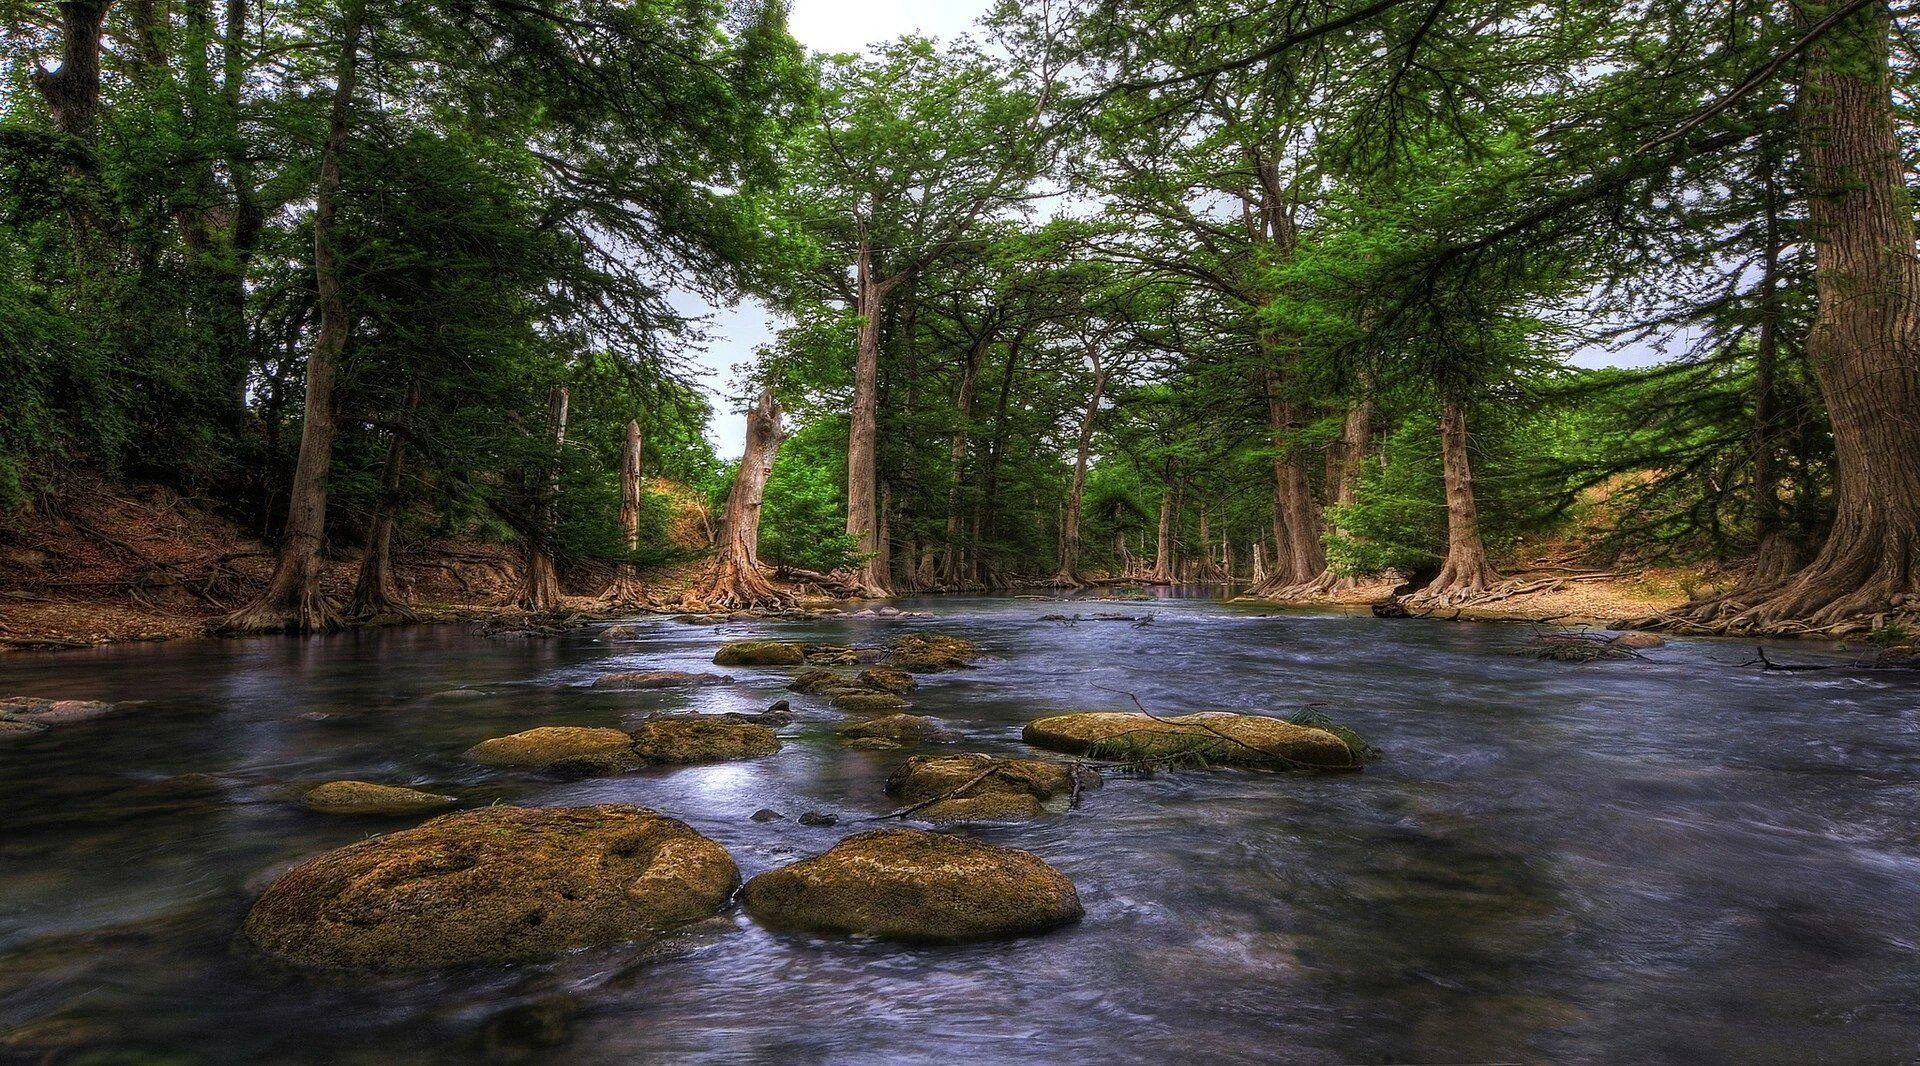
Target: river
{"points": [[1675, 859]]}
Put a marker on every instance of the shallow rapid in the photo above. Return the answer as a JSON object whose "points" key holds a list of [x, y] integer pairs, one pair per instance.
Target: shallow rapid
{"points": [[1674, 859]]}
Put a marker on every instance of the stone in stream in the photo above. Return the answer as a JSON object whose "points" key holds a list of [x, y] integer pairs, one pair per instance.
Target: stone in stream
{"points": [[372, 800], [865, 701], [1907, 655], [888, 679], [622, 632], [42, 712], [818, 819], [761, 653], [1637, 640], [573, 749], [498, 884], [889, 727], [864, 694], [905, 884], [976, 787], [698, 739], [1209, 738], [924, 653], [659, 679]]}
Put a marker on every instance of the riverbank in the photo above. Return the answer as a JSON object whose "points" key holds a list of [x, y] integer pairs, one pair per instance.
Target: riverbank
{"points": [[1601, 600]]}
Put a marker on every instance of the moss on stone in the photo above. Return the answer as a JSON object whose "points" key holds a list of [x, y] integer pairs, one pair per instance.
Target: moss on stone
{"points": [[373, 800], [905, 884], [978, 787], [698, 739], [574, 748], [1209, 738], [498, 884], [760, 653]]}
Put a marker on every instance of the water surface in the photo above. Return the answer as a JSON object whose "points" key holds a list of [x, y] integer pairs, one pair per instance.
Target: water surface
{"points": [[1678, 859]]}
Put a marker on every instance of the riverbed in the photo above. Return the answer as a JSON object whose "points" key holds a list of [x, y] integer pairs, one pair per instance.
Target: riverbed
{"points": [[1677, 858]]}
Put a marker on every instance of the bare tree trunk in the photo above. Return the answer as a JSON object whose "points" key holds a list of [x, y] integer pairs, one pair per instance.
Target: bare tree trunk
{"points": [[957, 453], [1303, 556], [1259, 575], [1163, 544], [293, 600], [862, 516], [627, 589], [72, 91], [734, 579], [1348, 461], [540, 588], [985, 508], [1466, 572], [377, 594], [1069, 574]]}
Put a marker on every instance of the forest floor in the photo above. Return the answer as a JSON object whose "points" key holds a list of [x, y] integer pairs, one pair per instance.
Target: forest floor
{"points": [[112, 563]]}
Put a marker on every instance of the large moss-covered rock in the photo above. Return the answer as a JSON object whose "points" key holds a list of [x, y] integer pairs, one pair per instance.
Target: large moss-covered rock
{"points": [[905, 884], [761, 653], [368, 799], [888, 679], [976, 787], [865, 701], [1209, 738], [923, 653], [698, 739], [659, 679], [573, 749], [890, 727], [498, 884]]}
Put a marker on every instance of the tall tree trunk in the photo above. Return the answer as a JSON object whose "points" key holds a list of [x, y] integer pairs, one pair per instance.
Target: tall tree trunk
{"points": [[627, 589], [1466, 572], [734, 579], [1304, 557], [293, 600], [72, 91], [957, 454], [862, 510], [1349, 460], [1776, 552], [540, 587], [986, 507], [1163, 541], [377, 593], [1865, 343], [1069, 574]]}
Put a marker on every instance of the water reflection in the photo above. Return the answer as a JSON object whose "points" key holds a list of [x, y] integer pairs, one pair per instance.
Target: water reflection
{"points": [[1670, 860]]}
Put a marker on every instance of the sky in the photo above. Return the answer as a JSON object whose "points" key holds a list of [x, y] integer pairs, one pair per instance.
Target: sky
{"points": [[823, 26]]}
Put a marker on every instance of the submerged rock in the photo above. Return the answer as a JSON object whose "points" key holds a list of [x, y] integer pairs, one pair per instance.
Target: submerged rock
{"points": [[986, 787], [12, 729], [761, 653], [659, 679], [369, 799], [865, 701], [698, 739], [498, 884], [622, 632], [818, 818], [52, 712], [831, 655], [905, 884], [890, 727], [1209, 738], [573, 749], [923, 653]]}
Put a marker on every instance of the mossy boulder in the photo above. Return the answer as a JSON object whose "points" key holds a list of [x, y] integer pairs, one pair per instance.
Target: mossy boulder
{"points": [[365, 798], [904, 884], [889, 727], [831, 655], [814, 679], [659, 679], [923, 653], [573, 749], [1210, 738], [1907, 655], [976, 787], [498, 884], [888, 679], [865, 701], [1638, 640], [698, 739], [761, 653]]}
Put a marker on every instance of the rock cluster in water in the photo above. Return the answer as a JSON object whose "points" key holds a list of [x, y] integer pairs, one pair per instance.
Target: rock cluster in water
{"points": [[977, 787], [1212, 738]]}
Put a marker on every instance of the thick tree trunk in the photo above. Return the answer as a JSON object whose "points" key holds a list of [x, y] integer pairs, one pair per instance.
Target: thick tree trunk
{"points": [[627, 589], [1163, 540], [72, 91], [377, 594], [540, 585], [1465, 573], [862, 510], [1348, 461], [734, 579], [1069, 573], [293, 600], [1865, 343]]}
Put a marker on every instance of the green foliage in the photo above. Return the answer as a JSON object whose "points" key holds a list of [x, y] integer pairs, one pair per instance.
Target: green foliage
{"points": [[804, 521]]}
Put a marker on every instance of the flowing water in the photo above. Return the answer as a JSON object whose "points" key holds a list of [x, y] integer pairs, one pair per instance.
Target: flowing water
{"points": [[1678, 859]]}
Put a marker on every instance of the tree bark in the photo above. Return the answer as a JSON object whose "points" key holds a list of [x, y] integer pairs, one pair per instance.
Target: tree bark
{"points": [[734, 579], [377, 593], [1163, 541], [540, 587], [627, 589], [1069, 574], [1865, 343], [986, 507], [293, 600], [72, 91], [1465, 573], [862, 510], [957, 455]]}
